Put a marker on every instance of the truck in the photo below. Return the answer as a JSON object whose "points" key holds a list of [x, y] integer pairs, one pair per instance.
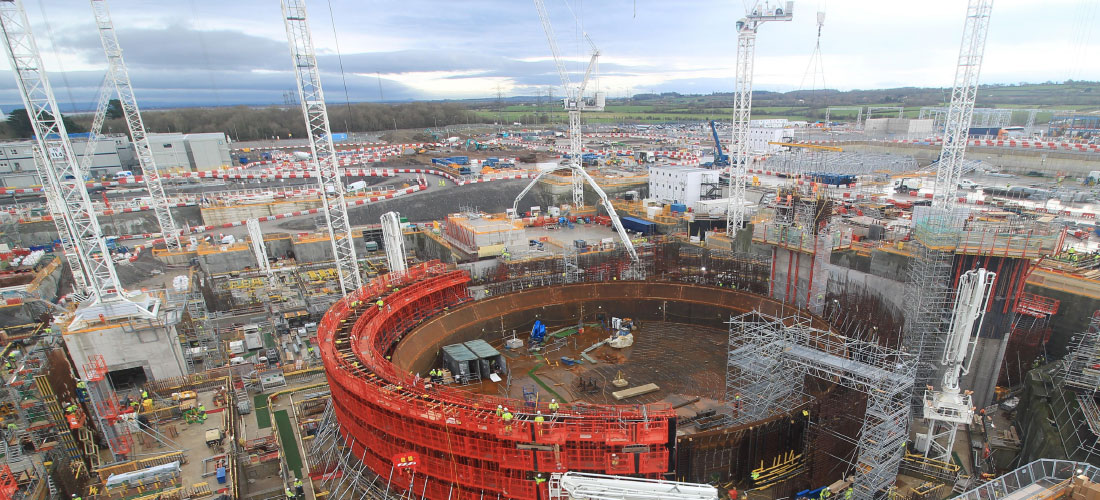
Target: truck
{"points": [[356, 186], [301, 156], [908, 184], [645, 156]]}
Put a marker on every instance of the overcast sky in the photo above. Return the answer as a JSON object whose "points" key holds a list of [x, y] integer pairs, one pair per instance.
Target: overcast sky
{"points": [[205, 52]]}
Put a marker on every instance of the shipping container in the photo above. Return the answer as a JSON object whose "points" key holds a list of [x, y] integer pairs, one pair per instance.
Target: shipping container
{"points": [[639, 225]]}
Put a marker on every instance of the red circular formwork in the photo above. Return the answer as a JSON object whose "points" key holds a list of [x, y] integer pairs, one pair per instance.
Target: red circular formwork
{"points": [[465, 449]]}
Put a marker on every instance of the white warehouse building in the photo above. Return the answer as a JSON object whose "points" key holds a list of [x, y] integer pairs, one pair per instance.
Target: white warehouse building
{"points": [[685, 185], [760, 137], [112, 154], [190, 152]]}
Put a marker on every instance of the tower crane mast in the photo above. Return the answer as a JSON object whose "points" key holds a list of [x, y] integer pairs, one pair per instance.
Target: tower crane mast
{"points": [[63, 183], [575, 103], [761, 13], [120, 78], [334, 205], [961, 110]]}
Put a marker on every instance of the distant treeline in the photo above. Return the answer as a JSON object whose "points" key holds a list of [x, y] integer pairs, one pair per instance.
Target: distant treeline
{"points": [[243, 123]]}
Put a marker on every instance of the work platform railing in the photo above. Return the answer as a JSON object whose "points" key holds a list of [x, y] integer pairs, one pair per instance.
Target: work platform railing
{"points": [[1038, 480]]}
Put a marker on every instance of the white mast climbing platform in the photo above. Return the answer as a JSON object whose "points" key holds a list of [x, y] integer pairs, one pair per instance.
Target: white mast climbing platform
{"points": [[761, 13], [334, 205], [120, 78], [61, 179], [961, 111], [394, 241], [585, 486], [948, 407], [259, 249], [574, 104]]}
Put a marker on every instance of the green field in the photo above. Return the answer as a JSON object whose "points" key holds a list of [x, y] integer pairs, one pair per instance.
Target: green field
{"points": [[809, 105]]}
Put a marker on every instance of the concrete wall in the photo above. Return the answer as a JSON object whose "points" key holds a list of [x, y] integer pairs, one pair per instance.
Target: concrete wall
{"points": [[218, 215], [44, 232], [156, 349]]}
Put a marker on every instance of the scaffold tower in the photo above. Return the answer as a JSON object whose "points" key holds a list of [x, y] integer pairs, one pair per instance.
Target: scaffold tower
{"points": [[119, 77], [1078, 368], [788, 350], [928, 295], [334, 205]]}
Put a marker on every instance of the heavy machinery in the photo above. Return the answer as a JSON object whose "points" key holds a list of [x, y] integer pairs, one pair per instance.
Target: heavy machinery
{"points": [[948, 407], [584, 486], [575, 102], [721, 159], [960, 113], [761, 13]]}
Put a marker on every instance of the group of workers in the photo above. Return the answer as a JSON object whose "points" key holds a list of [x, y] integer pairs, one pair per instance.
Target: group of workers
{"points": [[506, 415], [299, 491]]}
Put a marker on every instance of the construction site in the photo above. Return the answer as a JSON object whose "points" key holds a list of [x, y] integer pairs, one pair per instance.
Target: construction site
{"points": [[763, 309]]}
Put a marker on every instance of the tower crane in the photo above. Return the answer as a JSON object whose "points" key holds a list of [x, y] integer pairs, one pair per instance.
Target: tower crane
{"points": [[575, 102], [62, 182], [118, 76], [961, 111], [948, 407], [761, 13], [334, 205], [585, 486]]}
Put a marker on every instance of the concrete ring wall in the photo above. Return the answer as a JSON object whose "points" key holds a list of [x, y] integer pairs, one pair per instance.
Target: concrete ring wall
{"points": [[646, 301], [463, 448]]}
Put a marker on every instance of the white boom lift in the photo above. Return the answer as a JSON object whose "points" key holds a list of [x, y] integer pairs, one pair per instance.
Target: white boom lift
{"points": [[961, 110], [584, 486], [120, 78], [574, 104], [948, 407], [334, 205], [259, 249], [394, 240], [740, 158], [62, 182]]}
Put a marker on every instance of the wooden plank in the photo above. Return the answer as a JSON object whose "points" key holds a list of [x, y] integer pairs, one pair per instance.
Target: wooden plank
{"points": [[635, 391]]}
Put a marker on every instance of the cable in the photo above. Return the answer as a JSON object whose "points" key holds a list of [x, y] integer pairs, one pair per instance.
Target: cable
{"points": [[60, 65], [340, 58]]}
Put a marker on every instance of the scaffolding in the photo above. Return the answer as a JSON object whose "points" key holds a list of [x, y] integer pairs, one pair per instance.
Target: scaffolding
{"points": [[802, 162], [108, 410], [928, 293], [336, 470], [1041, 479], [769, 360], [1081, 368]]}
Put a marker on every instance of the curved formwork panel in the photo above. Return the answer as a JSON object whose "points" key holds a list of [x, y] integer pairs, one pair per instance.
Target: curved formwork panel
{"points": [[373, 341], [463, 449]]}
